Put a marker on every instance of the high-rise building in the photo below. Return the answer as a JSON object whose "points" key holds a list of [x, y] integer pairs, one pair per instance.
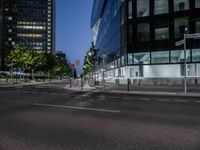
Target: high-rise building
{"points": [[61, 56], [138, 37], [30, 23]]}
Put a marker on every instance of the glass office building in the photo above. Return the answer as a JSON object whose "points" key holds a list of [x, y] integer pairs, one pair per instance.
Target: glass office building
{"points": [[30, 23], [138, 37]]}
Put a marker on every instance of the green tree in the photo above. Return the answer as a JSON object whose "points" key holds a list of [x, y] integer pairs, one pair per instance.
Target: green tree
{"points": [[15, 56]]}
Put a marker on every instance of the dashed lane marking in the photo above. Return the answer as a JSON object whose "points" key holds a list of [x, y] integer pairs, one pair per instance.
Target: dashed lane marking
{"points": [[181, 101], [163, 100], [144, 99], [78, 108]]}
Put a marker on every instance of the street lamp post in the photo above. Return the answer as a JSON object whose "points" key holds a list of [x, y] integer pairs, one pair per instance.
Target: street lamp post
{"points": [[184, 42]]}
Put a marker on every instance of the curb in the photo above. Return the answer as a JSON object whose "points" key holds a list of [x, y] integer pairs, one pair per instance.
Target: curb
{"points": [[25, 84], [171, 94]]}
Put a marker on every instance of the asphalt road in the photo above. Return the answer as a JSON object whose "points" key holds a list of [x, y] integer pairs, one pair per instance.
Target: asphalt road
{"points": [[49, 117]]}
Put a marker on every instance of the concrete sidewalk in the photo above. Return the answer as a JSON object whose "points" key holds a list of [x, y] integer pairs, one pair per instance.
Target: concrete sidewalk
{"points": [[25, 84], [142, 90], [85, 88]]}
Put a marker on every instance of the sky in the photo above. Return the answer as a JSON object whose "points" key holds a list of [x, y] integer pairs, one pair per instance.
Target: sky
{"points": [[73, 32]]}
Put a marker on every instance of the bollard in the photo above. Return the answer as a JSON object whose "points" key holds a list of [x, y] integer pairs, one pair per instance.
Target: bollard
{"points": [[70, 83], [81, 83], [128, 85]]}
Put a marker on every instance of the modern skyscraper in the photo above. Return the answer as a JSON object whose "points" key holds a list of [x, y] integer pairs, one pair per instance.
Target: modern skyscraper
{"points": [[30, 23], [139, 36]]}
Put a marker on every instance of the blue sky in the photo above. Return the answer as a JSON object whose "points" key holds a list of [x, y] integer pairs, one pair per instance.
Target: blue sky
{"points": [[73, 33]]}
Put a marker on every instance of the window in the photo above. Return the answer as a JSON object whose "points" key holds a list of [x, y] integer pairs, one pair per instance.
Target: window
{"points": [[9, 18], [196, 55], [197, 25], [130, 59], [122, 61], [160, 57], [130, 33], [143, 32], [142, 58], [142, 8], [161, 30], [130, 9], [177, 56], [181, 27], [180, 5], [161, 6], [197, 3]]}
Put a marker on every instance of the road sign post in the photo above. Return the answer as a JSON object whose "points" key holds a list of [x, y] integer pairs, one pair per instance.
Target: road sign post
{"points": [[184, 42]]}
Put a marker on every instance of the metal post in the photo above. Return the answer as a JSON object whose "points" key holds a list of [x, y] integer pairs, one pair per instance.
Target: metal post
{"points": [[128, 84], [11, 76], [70, 83], [81, 83], [185, 63]]}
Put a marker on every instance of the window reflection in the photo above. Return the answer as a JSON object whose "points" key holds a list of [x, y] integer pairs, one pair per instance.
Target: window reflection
{"points": [[142, 8], [142, 58], [197, 3], [161, 30], [196, 55], [161, 7], [130, 58], [130, 9], [181, 27], [160, 57], [177, 56], [143, 32], [130, 33], [197, 25], [181, 5]]}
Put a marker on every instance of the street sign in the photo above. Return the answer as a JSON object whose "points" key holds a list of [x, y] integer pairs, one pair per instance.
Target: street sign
{"points": [[181, 42], [77, 62], [193, 36], [73, 66]]}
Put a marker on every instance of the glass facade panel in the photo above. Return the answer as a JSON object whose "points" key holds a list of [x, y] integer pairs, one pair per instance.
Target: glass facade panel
{"points": [[142, 8], [197, 25], [160, 57], [142, 58], [130, 59], [143, 32], [130, 9], [197, 3], [130, 33], [122, 61], [162, 30], [161, 6], [177, 56], [118, 62], [196, 55], [181, 26], [180, 5]]}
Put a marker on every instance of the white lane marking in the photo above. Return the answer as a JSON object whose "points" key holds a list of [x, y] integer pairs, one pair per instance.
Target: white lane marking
{"points": [[102, 96], [163, 100], [114, 97], [181, 101], [144, 99], [78, 108], [85, 95]]}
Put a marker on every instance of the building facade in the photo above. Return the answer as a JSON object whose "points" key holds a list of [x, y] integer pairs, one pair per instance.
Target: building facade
{"points": [[30, 23], [61, 56], [138, 37]]}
